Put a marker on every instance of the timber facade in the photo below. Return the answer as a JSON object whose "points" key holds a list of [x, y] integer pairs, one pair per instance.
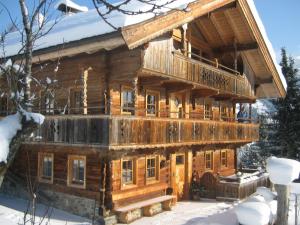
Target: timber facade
{"points": [[131, 128]]}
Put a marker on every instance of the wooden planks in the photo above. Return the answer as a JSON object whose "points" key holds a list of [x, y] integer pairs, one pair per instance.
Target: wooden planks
{"points": [[125, 131]]}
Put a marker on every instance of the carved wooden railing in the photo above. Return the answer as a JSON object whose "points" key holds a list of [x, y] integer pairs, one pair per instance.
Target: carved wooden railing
{"points": [[217, 77], [122, 131]]}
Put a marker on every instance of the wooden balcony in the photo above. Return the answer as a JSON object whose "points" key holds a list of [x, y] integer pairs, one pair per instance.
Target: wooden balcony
{"points": [[120, 132], [203, 72]]}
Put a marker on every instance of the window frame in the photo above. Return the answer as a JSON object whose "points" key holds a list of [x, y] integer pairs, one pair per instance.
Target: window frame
{"points": [[123, 89], [157, 169], [72, 100], [134, 173], [226, 158], [156, 105], [211, 160], [183, 160], [41, 156], [223, 114], [70, 182], [210, 110]]}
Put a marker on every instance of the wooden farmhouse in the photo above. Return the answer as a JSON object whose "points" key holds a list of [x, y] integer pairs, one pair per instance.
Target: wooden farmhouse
{"points": [[143, 116]]}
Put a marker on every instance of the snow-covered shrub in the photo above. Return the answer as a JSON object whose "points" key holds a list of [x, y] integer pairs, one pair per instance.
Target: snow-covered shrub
{"points": [[253, 213], [282, 171]]}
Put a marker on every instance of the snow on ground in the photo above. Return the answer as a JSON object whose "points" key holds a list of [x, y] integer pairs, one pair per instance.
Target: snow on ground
{"points": [[204, 212], [12, 213]]}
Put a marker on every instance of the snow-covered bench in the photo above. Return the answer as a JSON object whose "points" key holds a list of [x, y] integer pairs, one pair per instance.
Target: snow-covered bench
{"points": [[149, 207]]}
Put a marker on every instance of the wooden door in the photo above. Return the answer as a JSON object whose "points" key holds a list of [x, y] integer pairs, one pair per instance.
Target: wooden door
{"points": [[179, 175], [177, 105]]}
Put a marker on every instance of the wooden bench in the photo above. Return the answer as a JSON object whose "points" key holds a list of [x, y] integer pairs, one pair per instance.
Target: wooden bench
{"points": [[149, 207]]}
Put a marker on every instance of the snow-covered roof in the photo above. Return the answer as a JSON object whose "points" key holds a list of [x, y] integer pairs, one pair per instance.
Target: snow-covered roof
{"points": [[71, 5], [89, 24]]}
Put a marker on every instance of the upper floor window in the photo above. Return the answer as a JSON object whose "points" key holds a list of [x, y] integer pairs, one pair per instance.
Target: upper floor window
{"points": [[76, 171], [47, 105], [152, 102], [223, 112], [207, 110], [76, 101], [127, 101], [224, 158], [209, 160], [45, 167]]}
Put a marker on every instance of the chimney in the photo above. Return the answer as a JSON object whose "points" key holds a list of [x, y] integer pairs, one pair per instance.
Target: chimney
{"points": [[68, 7]]}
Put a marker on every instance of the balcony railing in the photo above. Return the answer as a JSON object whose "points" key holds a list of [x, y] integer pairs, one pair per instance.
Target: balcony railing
{"points": [[203, 72], [135, 131]]}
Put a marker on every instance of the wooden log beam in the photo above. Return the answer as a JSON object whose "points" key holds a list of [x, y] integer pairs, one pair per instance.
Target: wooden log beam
{"points": [[140, 33], [239, 47], [152, 80], [177, 86]]}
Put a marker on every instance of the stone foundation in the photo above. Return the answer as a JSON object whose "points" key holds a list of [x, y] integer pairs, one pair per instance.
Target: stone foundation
{"points": [[73, 204]]}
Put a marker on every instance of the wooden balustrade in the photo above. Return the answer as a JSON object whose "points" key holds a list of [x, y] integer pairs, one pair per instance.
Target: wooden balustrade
{"points": [[122, 131], [209, 76]]}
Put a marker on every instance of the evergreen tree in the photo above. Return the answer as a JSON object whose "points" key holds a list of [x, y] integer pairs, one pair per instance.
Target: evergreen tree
{"points": [[287, 116]]}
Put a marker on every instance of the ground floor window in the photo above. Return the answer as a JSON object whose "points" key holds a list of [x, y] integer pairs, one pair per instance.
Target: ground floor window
{"points": [[152, 167], [179, 159], [224, 158], [128, 171], [76, 171], [45, 167], [209, 160]]}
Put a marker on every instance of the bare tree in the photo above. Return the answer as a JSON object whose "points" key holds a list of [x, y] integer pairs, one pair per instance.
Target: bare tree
{"points": [[16, 71]]}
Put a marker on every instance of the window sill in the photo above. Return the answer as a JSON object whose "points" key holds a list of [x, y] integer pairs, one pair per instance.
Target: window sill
{"points": [[47, 181], [80, 186], [128, 186], [152, 181]]}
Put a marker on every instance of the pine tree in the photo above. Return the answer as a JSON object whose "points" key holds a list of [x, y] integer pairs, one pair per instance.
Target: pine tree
{"points": [[287, 116]]}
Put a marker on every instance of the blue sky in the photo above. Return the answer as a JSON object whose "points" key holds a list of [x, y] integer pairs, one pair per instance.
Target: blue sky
{"points": [[280, 17]]}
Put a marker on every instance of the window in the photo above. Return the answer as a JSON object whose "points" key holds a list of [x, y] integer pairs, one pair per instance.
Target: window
{"points": [[76, 106], [152, 102], [152, 169], [127, 172], [223, 112], [209, 160], [127, 101], [207, 111], [76, 171], [179, 159], [47, 105], [224, 158], [3, 106], [45, 167]]}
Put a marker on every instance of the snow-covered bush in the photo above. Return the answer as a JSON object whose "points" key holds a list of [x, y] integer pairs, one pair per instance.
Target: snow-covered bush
{"points": [[253, 213], [282, 171]]}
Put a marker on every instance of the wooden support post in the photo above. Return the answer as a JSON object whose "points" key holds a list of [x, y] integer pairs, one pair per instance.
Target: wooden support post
{"points": [[108, 185], [235, 55], [106, 91], [135, 89], [250, 112], [85, 88], [283, 193], [102, 189]]}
